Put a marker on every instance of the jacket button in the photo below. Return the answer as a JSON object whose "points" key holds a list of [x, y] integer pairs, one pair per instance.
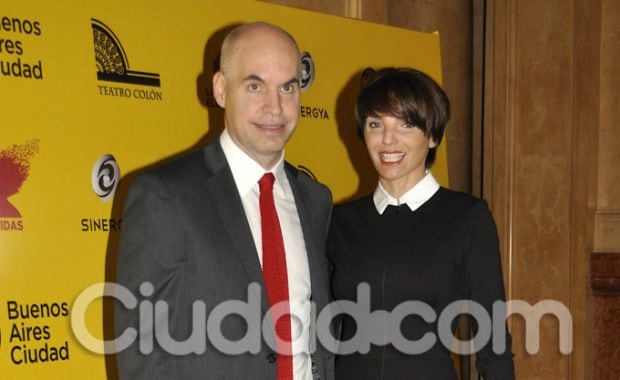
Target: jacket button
{"points": [[271, 357]]}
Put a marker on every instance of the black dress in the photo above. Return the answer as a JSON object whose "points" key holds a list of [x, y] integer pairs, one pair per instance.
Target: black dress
{"points": [[446, 250]]}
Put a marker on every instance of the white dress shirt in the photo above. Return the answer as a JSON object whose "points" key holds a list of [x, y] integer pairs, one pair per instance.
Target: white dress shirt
{"points": [[414, 197], [246, 173]]}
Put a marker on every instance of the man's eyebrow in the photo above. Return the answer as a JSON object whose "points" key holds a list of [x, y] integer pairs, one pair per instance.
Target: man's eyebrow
{"points": [[293, 80], [253, 77]]}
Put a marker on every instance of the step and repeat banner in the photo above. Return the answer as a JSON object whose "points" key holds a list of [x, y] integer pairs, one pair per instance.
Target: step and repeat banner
{"points": [[92, 92]]}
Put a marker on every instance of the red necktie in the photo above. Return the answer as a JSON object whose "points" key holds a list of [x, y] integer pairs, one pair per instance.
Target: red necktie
{"points": [[274, 274]]}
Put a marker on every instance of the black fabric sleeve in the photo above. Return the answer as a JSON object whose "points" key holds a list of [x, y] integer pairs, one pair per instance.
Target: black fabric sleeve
{"points": [[151, 249], [485, 285]]}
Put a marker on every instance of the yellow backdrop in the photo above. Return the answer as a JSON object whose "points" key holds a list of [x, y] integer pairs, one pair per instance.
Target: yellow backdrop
{"points": [[92, 89]]}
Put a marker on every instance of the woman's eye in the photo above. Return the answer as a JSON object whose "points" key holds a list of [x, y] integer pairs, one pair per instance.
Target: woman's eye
{"points": [[373, 124]]}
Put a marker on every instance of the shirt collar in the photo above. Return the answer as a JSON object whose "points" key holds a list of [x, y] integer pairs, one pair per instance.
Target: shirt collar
{"points": [[414, 198], [246, 172]]}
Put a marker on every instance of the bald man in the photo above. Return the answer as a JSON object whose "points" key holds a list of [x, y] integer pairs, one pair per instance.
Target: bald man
{"points": [[192, 237]]}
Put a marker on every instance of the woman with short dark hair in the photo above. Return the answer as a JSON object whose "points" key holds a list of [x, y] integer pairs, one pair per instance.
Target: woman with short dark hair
{"points": [[420, 247]]}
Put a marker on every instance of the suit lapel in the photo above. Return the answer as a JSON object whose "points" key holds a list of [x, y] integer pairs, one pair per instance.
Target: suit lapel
{"points": [[221, 187], [302, 201], [316, 263]]}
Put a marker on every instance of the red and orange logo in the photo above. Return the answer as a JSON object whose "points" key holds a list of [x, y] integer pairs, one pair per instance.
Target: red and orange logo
{"points": [[14, 171]]}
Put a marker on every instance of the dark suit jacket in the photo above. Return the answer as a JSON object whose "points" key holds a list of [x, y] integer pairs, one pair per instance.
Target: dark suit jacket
{"points": [[185, 232]]}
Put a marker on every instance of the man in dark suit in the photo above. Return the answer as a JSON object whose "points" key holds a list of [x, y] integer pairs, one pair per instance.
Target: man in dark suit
{"points": [[193, 236]]}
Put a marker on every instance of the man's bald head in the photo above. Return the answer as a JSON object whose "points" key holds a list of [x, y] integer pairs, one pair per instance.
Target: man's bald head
{"points": [[235, 38]]}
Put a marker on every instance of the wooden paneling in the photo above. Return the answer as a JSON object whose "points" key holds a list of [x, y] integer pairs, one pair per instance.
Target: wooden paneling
{"points": [[540, 153], [608, 205], [586, 122]]}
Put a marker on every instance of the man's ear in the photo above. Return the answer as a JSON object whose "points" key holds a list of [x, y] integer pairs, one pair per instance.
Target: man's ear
{"points": [[219, 89], [431, 143]]}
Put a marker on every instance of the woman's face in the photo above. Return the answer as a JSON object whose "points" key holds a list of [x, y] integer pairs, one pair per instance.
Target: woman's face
{"points": [[398, 152]]}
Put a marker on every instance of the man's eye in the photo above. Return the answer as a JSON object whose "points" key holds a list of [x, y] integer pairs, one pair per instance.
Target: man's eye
{"points": [[253, 87], [374, 124], [288, 88], [408, 125]]}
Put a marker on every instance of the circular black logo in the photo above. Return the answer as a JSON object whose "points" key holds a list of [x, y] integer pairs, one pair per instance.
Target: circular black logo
{"points": [[307, 71], [105, 177]]}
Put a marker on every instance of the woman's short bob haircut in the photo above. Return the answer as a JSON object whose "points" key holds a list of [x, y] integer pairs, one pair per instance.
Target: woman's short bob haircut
{"points": [[407, 94]]}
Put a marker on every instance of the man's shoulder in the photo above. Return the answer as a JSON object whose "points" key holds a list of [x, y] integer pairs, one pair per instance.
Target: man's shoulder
{"points": [[173, 172], [308, 180], [178, 164], [186, 164]]}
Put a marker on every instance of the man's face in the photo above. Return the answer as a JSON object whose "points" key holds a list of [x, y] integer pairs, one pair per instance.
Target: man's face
{"points": [[260, 93]]}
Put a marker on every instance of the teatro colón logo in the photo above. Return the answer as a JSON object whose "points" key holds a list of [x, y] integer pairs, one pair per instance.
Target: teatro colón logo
{"points": [[112, 61], [112, 64], [14, 171]]}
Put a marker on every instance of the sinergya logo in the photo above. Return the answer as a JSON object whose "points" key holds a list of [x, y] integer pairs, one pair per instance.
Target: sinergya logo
{"points": [[307, 71], [105, 177], [14, 171], [112, 61]]}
